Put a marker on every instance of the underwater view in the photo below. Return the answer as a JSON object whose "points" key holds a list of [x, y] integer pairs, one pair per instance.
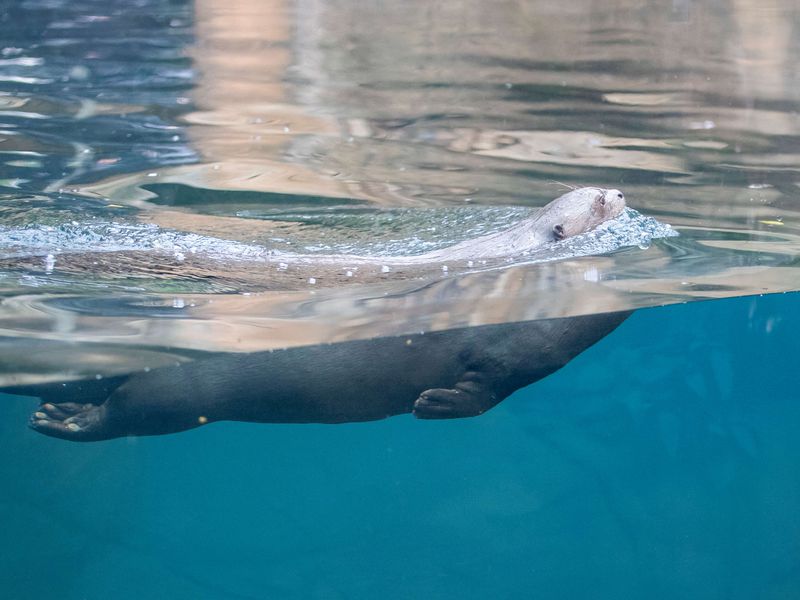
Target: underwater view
{"points": [[362, 299]]}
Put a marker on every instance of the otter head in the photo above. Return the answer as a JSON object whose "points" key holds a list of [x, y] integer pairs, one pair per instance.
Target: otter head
{"points": [[582, 210]]}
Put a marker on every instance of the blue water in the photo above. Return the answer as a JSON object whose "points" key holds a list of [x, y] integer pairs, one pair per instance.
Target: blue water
{"points": [[662, 463]]}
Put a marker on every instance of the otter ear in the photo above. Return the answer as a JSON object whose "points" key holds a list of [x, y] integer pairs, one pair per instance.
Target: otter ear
{"points": [[558, 232]]}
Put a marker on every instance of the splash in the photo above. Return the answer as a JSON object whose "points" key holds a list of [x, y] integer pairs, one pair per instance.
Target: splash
{"points": [[74, 238]]}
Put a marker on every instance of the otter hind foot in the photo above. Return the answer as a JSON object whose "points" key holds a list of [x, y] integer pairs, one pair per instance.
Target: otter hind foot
{"points": [[70, 421], [450, 404]]}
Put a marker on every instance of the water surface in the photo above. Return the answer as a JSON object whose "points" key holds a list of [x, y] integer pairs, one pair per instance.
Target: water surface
{"points": [[154, 154]]}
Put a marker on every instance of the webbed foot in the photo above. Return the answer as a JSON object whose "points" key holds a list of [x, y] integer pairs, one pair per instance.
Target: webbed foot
{"points": [[449, 404], [70, 421]]}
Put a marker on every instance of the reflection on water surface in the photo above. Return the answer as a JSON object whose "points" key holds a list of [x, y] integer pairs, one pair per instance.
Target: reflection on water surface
{"points": [[335, 127]]}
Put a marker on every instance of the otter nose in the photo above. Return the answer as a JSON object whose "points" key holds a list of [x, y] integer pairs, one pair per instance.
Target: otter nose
{"points": [[616, 194]]}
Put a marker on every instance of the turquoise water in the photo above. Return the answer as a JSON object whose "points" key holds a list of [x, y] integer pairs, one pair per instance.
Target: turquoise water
{"points": [[662, 463]]}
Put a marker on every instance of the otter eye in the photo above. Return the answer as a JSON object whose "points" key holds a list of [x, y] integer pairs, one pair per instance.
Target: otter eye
{"points": [[601, 198]]}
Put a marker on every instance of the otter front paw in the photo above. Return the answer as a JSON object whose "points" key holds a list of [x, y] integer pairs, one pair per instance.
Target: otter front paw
{"points": [[70, 421]]}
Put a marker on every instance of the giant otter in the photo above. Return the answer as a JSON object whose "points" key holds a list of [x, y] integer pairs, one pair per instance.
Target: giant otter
{"points": [[453, 373]]}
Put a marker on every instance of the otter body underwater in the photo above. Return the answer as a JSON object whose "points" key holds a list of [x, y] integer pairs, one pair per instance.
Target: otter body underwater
{"points": [[447, 374]]}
